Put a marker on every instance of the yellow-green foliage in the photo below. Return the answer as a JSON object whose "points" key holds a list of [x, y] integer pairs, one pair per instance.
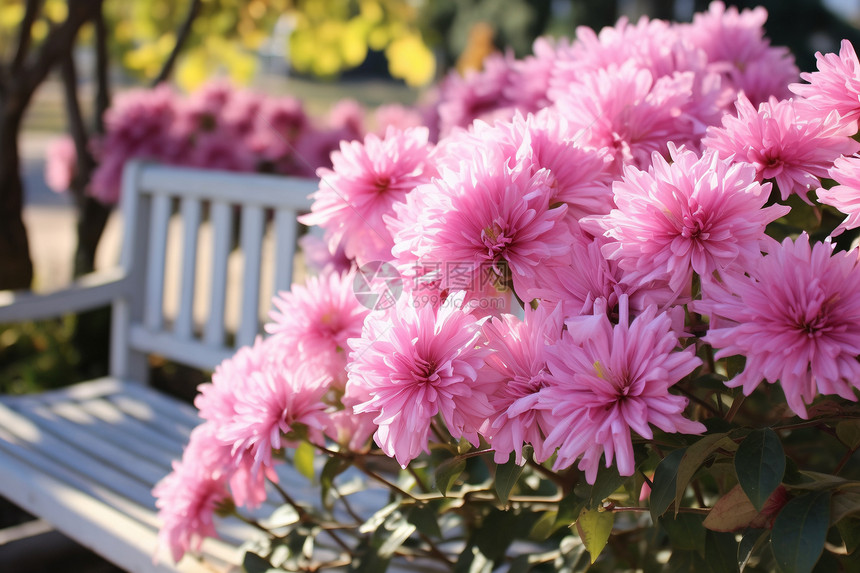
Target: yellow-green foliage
{"points": [[328, 36]]}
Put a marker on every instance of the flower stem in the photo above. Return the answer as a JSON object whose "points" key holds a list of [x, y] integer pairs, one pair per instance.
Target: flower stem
{"points": [[736, 406]]}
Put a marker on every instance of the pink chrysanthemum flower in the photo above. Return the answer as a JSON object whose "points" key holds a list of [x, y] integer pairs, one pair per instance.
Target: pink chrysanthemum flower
{"points": [[796, 319], [486, 216], [577, 176], [782, 143], [422, 280], [530, 80], [216, 400], [367, 179], [412, 364], [836, 84], [582, 277], [348, 115], [477, 95], [280, 125], [623, 109], [188, 497], [846, 195], [139, 124], [241, 113], [60, 164], [275, 401], [397, 116], [216, 150], [694, 215], [201, 110], [319, 258], [518, 368], [258, 396], [606, 380], [736, 47], [312, 324], [650, 44]]}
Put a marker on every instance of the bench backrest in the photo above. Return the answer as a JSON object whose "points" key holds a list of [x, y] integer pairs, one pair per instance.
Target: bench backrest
{"points": [[239, 211]]}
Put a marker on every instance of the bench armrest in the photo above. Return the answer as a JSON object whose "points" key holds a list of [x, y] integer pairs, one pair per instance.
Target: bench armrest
{"points": [[88, 292]]}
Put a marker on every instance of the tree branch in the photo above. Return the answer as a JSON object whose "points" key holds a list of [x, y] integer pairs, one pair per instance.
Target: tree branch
{"points": [[59, 42], [25, 34], [102, 101], [76, 126], [181, 36]]}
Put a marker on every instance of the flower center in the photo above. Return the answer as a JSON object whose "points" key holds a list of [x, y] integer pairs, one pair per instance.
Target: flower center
{"points": [[425, 371], [812, 317], [695, 225], [495, 240], [622, 384], [521, 386], [383, 182]]}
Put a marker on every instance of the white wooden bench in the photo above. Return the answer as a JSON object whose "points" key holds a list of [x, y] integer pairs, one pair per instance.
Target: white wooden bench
{"points": [[85, 458]]}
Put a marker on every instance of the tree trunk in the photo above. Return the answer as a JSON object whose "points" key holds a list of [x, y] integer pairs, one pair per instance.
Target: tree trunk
{"points": [[92, 218], [16, 267], [18, 82]]}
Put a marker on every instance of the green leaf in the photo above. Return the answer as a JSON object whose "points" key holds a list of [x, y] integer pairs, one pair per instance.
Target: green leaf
{"points": [[544, 527], [572, 554], [447, 473], [751, 542], [303, 459], [507, 476], [844, 504], [283, 516], [569, 509], [800, 530], [521, 564], [366, 558], [664, 483], [333, 467], [594, 528], [849, 529], [684, 561], [721, 550], [253, 563], [733, 511], [471, 560], [488, 543], [424, 518], [605, 484], [685, 531], [390, 529], [695, 456], [496, 533], [398, 530], [848, 433], [377, 519], [760, 465]]}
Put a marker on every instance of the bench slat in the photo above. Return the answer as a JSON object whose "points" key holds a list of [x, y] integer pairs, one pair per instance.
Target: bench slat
{"points": [[285, 248], [222, 232], [131, 434], [252, 247], [117, 530], [107, 453], [191, 215], [86, 458], [258, 189], [203, 355], [153, 308], [71, 456]]}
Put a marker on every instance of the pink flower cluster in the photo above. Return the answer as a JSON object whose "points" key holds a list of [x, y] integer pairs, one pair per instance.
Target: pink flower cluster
{"points": [[623, 197], [217, 127]]}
